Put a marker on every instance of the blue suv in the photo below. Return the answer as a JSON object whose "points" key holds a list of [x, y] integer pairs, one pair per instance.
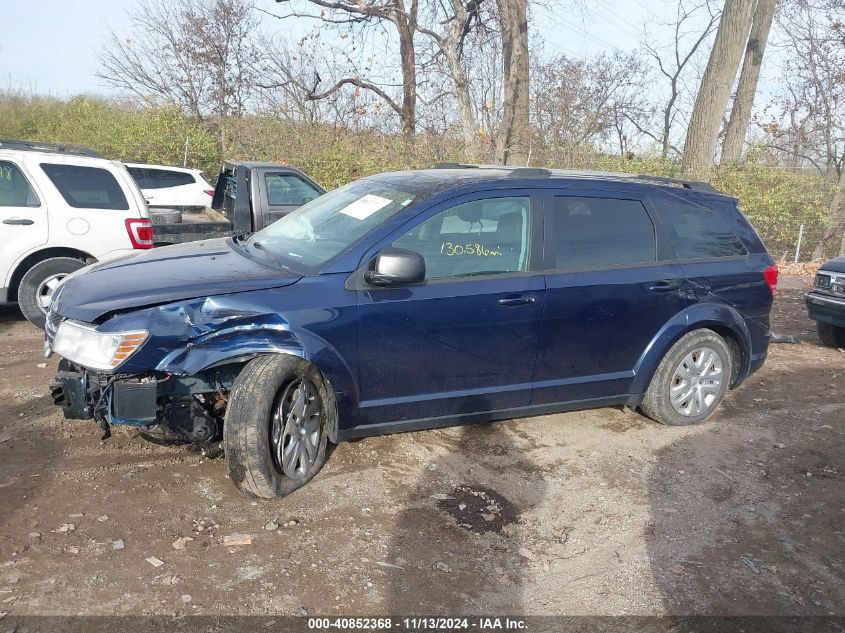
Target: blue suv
{"points": [[420, 299]]}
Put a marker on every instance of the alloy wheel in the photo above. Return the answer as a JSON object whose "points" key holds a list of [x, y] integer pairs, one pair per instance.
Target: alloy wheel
{"points": [[696, 382], [295, 428]]}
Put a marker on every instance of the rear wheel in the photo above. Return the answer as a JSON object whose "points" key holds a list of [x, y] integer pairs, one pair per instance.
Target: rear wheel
{"points": [[690, 381], [275, 429], [38, 284], [831, 335]]}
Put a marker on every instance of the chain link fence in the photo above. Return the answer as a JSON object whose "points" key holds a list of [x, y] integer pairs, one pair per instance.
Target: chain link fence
{"points": [[798, 240]]}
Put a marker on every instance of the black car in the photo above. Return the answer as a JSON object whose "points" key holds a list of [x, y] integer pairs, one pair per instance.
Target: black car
{"points": [[826, 302]]}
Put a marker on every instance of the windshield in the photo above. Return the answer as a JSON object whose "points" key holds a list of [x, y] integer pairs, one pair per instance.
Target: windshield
{"points": [[309, 237]]}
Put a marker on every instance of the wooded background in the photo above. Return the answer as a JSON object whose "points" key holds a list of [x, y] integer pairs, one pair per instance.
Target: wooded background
{"points": [[378, 85]]}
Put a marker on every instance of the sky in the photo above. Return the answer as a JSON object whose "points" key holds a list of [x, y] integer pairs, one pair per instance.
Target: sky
{"points": [[54, 50]]}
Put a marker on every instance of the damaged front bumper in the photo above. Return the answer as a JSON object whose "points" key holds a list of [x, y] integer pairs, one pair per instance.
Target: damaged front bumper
{"points": [[85, 394], [185, 408]]}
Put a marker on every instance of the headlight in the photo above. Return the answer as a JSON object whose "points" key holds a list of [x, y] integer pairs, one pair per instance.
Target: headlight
{"points": [[93, 349]]}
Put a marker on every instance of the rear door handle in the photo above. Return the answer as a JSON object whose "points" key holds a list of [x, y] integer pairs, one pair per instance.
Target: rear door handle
{"points": [[517, 300], [665, 286], [19, 221]]}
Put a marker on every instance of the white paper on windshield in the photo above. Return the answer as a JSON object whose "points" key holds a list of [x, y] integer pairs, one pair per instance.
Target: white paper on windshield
{"points": [[364, 207]]}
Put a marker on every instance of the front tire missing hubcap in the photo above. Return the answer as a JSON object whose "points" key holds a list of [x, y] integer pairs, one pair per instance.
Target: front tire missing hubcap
{"points": [[275, 429], [295, 428]]}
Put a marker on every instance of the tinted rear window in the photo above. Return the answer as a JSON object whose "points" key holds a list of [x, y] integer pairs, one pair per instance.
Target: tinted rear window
{"points": [[160, 178], [597, 232], [86, 187], [698, 233]]}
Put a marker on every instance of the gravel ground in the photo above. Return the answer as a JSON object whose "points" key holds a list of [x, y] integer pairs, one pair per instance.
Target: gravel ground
{"points": [[595, 512]]}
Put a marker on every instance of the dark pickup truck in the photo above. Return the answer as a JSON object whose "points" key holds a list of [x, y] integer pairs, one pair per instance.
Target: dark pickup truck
{"points": [[826, 302], [248, 196]]}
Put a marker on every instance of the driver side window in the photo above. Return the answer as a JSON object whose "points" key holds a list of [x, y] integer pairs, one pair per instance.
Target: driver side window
{"points": [[481, 237]]}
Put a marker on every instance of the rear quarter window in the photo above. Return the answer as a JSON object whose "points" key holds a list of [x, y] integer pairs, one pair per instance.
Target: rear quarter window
{"points": [[698, 233], [86, 187]]}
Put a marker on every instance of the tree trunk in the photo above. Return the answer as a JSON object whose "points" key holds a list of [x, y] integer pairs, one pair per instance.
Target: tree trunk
{"points": [[469, 124], [837, 219], [408, 60], [513, 138], [747, 88], [715, 90], [667, 120]]}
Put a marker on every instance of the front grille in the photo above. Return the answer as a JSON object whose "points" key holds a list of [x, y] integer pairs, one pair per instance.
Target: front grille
{"points": [[823, 281]]}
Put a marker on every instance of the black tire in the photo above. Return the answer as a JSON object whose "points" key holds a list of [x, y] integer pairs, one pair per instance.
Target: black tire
{"points": [[657, 403], [831, 335], [33, 287], [166, 216], [261, 390]]}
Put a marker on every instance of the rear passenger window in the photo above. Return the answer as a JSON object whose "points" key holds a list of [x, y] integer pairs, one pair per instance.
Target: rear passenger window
{"points": [[698, 233], [599, 232], [86, 187], [15, 190]]}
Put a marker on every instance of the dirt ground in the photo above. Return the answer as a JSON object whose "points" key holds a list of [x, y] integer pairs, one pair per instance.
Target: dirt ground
{"points": [[598, 512]]}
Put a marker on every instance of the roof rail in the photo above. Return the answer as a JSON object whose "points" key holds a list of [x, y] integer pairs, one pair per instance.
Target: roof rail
{"points": [[56, 148], [456, 166], [693, 185], [529, 172], [515, 172]]}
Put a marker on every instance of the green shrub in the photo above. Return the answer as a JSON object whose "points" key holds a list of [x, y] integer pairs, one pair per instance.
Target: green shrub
{"points": [[777, 201]]}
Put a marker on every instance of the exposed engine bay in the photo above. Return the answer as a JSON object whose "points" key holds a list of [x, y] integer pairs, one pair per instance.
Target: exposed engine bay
{"points": [[167, 409]]}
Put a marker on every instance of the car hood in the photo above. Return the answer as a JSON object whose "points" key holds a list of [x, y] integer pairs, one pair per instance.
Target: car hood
{"points": [[163, 275], [836, 265]]}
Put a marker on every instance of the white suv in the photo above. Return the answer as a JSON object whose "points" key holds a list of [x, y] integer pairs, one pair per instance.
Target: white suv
{"points": [[172, 187], [61, 208]]}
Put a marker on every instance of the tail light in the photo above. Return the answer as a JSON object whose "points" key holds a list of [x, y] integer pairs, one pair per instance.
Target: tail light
{"points": [[140, 232], [210, 192], [771, 277]]}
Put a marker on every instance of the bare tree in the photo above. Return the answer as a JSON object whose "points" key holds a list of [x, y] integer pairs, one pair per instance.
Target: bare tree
{"points": [[715, 90], [674, 64], [513, 136], [449, 33], [737, 127], [582, 104], [402, 17], [197, 54], [810, 128]]}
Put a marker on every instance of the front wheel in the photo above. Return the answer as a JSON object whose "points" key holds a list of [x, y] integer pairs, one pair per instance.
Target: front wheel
{"points": [[38, 284], [831, 335], [690, 381], [275, 428]]}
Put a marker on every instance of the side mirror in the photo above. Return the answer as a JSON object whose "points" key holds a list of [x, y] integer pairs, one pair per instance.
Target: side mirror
{"points": [[394, 267]]}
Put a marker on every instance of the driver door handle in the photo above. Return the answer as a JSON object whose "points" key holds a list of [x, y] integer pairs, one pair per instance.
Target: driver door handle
{"points": [[18, 221], [517, 300], [665, 286]]}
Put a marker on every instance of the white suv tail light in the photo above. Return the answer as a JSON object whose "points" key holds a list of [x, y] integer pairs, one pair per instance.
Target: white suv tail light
{"points": [[140, 232]]}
